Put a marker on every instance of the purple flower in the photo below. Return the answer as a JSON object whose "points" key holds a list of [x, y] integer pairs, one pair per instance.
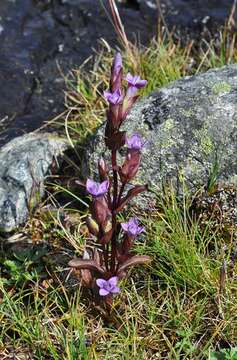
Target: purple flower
{"points": [[135, 81], [114, 98], [97, 189], [135, 142], [108, 286], [132, 227]]}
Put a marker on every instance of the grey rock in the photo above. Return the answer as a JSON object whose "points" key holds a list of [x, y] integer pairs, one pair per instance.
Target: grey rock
{"points": [[191, 128], [25, 163]]}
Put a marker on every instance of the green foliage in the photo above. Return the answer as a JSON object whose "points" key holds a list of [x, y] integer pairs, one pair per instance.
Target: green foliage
{"points": [[224, 354], [213, 174], [24, 266]]}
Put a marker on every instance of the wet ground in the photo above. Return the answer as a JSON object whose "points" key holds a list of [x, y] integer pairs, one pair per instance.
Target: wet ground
{"points": [[41, 39]]}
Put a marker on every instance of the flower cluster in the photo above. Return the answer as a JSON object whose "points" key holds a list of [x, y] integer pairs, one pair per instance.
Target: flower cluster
{"points": [[112, 257]]}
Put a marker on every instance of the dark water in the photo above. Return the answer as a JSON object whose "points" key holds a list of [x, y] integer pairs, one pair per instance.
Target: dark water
{"points": [[39, 37]]}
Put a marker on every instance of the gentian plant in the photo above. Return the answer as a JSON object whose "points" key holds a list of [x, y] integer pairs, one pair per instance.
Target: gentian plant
{"points": [[111, 257]]}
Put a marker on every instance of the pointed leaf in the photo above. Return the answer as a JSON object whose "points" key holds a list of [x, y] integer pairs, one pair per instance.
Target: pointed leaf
{"points": [[96, 256], [133, 261], [121, 257], [86, 277], [137, 189], [128, 104], [100, 210], [86, 264], [106, 237]]}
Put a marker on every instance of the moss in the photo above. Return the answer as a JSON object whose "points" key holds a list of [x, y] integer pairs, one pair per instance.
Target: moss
{"points": [[169, 124], [166, 134], [207, 145], [188, 113], [205, 141], [221, 87]]}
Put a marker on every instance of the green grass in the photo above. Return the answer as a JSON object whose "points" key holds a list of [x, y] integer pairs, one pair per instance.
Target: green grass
{"points": [[174, 308]]}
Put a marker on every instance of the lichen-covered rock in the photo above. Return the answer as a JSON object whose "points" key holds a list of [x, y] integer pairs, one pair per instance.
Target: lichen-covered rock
{"points": [[191, 128], [25, 163]]}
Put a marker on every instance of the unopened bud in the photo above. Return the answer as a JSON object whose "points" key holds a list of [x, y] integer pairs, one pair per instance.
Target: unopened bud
{"points": [[100, 211], [130, 167], [108, 226], [116, 73], [92, 225], [103, 169]]}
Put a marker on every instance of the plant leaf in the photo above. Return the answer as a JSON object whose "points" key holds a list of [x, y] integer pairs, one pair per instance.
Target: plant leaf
{"points": [[96, 256], [86, 277], [129, 105], [100, 211], [137, 189], [106, 237], [133, 261], [86, 264]]}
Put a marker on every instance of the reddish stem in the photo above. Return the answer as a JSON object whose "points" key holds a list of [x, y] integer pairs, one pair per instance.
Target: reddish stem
{"points": [[106, 257], [115, 178], [114, 219], [120, 193]]}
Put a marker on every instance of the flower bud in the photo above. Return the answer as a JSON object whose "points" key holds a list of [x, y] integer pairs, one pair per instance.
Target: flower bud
{"points": [[92, 225], [103, 169], [116, 73], [100, 211], [130, 167]]}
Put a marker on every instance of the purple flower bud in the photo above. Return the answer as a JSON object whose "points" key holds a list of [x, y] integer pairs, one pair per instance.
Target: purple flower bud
{"points": [[114, 98], [131, 91], [108, 286], [135, 142], [97, 189], [117, 64], [135, 81], [132, 227]]}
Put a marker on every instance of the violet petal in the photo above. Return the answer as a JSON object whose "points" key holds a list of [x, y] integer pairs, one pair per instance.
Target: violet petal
{"points": [[124, 226], [141, 83], [115, 290], [103, 187], [101, 282], [131, 91], [103, 292], [113, 281], [91, 187]]}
